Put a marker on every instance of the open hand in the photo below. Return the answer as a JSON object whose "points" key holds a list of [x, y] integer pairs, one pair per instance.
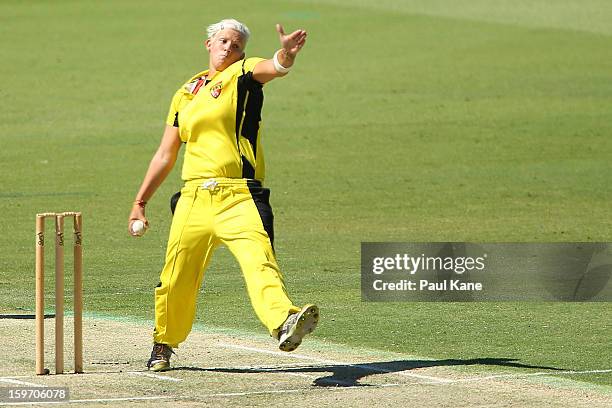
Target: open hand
{"points": [[291, 43]]}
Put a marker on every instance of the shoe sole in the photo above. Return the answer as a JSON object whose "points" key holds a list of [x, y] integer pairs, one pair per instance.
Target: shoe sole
{"points": [[307, 321], [163, 366]]}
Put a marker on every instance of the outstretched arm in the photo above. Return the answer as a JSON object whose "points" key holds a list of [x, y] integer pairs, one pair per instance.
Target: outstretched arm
{"points": [[291, 45], [160, 166]]}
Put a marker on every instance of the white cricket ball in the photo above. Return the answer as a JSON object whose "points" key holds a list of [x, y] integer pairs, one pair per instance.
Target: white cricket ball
{"points": [[138, 228]]}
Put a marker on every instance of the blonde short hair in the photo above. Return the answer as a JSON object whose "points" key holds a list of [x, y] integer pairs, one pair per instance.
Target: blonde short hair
{"points": [[213, 29]]}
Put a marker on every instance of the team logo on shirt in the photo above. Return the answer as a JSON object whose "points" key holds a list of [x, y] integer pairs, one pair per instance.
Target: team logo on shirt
{"points": [[215, 91]]}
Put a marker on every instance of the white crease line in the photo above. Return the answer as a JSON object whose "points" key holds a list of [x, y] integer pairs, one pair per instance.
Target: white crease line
{"points": [[241, 394], [273, 370], [13, 381], [156, 376], [290, 391], [86, 401], [332, 362], [540, 373], [246, 393], [202, 366]]}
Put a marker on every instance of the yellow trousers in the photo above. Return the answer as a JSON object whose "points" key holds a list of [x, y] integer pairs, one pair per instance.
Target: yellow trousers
{"points": [[210, 213]]}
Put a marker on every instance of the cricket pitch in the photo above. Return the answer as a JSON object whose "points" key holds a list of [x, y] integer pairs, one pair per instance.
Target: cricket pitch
{"points": [[217, 367]]}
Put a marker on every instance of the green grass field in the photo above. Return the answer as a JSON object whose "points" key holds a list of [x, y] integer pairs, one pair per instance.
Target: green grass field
{"points": [[402, 121]]}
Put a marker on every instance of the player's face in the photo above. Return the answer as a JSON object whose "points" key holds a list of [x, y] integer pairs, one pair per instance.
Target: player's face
{"points": [[225, 48]]}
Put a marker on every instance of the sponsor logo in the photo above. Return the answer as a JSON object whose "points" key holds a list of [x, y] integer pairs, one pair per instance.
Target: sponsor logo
{"points": [[194, 86]]}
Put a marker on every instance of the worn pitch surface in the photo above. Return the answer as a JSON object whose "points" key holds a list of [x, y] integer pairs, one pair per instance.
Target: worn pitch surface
{"points": [[221, 367]]}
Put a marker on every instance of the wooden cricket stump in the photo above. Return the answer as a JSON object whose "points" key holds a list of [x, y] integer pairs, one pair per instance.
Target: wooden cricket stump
{"points": [[59, 292]]}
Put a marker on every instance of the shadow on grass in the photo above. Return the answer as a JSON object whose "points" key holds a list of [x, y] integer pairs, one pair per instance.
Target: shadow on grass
{"points": [[348, 375]]}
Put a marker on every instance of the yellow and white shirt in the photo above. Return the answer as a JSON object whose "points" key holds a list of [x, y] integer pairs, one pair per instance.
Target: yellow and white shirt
{"points": [[219, 119]]}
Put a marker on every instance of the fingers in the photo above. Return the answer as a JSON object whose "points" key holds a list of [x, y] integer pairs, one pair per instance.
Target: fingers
{"points": [[294, 42], [146, 222], [298, 35], [131, 221], [301, 40]]}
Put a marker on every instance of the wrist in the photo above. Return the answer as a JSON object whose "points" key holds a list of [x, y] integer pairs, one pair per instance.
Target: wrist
{"points": [[278, 67], [288, 55], [140, 203]]}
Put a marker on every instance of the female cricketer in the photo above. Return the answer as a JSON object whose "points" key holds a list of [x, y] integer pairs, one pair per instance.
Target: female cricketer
{"points": [[217, 115]]}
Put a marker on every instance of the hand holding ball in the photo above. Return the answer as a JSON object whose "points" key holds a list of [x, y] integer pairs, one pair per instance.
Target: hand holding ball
{"points": [[138, 228]]}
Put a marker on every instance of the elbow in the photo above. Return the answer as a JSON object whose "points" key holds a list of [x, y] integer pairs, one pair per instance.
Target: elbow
{"points": [[165, 159]]}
